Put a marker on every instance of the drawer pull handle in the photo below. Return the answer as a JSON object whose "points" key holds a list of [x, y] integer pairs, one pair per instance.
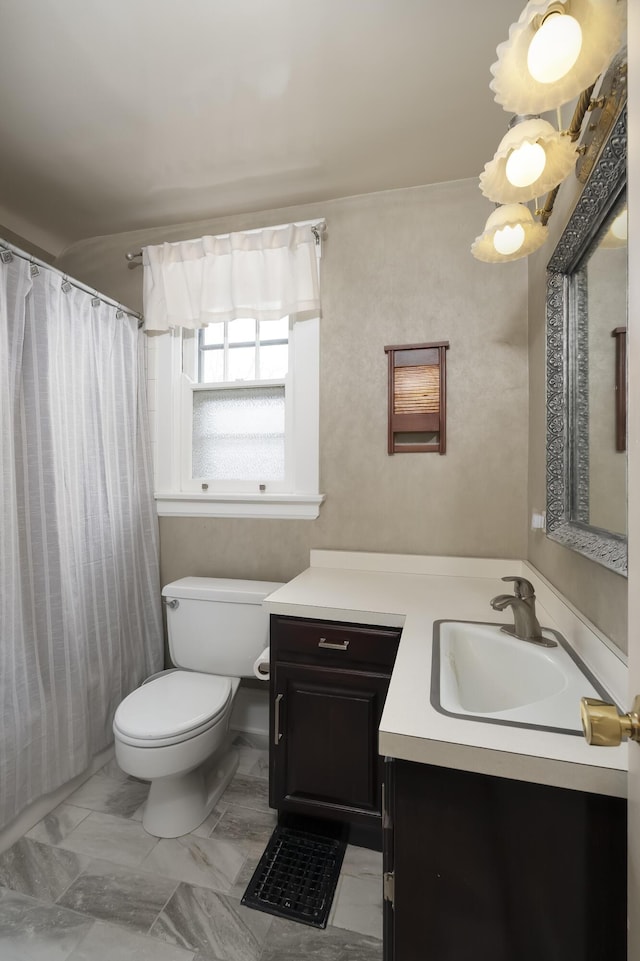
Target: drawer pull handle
{"points": [[342, 646], [276, 733]]}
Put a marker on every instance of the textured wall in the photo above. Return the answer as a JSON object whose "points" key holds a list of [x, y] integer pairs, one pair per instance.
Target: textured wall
{"points": [[598, 592], [396, 268], [18, 241]]}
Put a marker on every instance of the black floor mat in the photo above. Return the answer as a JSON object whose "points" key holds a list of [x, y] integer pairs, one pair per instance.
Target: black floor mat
{"points": [[297, 875]]}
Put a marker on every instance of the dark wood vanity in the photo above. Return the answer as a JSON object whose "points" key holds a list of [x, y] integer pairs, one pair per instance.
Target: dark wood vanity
{"points": [[496, 870], [475, 865], [329, 681]]}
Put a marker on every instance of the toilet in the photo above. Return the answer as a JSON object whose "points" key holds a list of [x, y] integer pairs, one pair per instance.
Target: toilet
{"points": [[173, 729]]}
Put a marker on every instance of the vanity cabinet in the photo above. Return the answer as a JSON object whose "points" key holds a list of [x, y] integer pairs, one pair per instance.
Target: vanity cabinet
{"points": [[493, 869], [328, 685]]}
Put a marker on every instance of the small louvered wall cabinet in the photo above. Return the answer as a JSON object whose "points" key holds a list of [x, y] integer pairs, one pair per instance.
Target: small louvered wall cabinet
{"points": [[417, 398]]}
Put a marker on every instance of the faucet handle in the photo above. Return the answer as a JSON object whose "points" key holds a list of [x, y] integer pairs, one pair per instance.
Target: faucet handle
{"points": [[522, 588]]}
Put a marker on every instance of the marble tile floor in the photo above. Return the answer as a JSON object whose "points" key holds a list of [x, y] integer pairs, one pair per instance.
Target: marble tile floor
{"points": [[87, 883]]}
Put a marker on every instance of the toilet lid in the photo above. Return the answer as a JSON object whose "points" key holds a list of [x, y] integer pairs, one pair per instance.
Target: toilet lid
{"points": [[173, 704]]}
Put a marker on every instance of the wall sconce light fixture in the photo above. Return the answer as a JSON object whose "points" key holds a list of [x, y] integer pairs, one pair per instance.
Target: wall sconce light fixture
{"points": [[555, 51], [531, 158], [510, 233]]}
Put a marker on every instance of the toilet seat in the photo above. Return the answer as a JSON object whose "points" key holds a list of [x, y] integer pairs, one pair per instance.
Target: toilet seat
{"points": [[171, 708]]}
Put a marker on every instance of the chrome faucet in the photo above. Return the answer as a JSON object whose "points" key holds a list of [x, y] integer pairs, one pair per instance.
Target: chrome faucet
{"points": [[523, 604]]}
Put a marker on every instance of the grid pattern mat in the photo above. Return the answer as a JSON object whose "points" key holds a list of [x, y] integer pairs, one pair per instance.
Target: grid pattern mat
{"points": [[296, 876]]}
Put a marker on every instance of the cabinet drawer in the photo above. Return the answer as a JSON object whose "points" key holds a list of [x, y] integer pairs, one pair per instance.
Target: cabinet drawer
{"points": [[332, 642]]}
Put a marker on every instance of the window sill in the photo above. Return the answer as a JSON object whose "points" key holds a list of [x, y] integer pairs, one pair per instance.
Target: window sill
{"points": [[280, 506]]}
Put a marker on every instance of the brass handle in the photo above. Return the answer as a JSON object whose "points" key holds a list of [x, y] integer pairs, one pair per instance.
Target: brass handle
{"points": [[604, 727], [323, 642], [276, 732]]}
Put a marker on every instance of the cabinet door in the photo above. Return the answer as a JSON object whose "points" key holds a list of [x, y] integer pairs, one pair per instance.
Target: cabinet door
{"points": [[499, 870], [325, 741]]}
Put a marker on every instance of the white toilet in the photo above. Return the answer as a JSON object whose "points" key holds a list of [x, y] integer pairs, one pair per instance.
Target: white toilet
{"points": [[172, 730]]}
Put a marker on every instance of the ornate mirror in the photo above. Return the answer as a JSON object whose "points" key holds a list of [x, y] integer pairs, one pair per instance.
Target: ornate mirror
{"points": [[586, 377]]}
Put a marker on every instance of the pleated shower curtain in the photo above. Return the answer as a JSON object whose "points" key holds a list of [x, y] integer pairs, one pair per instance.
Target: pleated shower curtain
{"points": [[80, 620]]}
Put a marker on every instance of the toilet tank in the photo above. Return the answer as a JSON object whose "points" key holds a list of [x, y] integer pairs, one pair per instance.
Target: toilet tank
{"points": [[218, 625]]}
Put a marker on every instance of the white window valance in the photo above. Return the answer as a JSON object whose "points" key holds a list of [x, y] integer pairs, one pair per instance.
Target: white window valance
{"points": [[262, 274]]}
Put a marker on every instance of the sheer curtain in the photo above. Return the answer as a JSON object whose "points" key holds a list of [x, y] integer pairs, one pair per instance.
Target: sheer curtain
{"points": [[260, 274], [80, 617]]}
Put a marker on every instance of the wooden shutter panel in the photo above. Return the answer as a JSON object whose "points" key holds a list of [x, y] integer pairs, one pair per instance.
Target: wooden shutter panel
{"points": [[417, 398]]}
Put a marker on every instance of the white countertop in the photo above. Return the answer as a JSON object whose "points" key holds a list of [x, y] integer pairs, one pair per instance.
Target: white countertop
{"points": [[412, 592]]}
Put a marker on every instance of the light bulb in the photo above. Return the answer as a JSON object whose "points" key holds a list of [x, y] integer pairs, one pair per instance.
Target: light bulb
{"points": [[525, 164], [619, 227], [509, 239], [555, 48]]}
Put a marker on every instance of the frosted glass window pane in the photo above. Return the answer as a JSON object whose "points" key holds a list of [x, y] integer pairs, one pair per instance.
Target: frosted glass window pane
{"points": [[239, 434], [212, 366], [213, 334], [242, 363], [242, 331], [274, 361]]}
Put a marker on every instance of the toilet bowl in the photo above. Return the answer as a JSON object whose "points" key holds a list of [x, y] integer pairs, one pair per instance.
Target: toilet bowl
{"points": [[173, 730], [164, 732]]}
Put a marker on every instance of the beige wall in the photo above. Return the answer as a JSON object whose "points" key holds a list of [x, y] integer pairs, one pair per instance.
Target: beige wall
{"points": [[396, 268], [598, 592], [18, 241]]}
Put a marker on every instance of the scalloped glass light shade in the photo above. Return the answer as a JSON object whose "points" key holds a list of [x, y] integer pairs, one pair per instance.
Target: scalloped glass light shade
{"points": [[602, 23], [561, 155], [509, 216]]}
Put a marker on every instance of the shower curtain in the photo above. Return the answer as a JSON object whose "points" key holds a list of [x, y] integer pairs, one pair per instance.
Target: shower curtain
{"points": [[80, 618]]}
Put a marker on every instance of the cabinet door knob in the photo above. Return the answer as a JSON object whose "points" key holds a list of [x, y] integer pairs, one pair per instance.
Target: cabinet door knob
{"points": [[277, 735], [342, 646], [604, 727]]}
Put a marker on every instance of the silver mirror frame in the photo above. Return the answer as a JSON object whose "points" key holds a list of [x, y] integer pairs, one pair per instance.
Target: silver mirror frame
{"points": [[567, 351]]}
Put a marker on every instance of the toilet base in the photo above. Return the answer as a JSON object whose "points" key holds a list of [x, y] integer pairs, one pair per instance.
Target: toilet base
{"points": [[178, 805]]}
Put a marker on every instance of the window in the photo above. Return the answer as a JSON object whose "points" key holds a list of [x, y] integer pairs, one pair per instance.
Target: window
{"points": [[237, 419], [235, 377], [233, 372]]}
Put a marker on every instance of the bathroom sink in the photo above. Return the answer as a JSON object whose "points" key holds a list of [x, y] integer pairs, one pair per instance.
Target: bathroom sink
{"points": [[483, 674]]}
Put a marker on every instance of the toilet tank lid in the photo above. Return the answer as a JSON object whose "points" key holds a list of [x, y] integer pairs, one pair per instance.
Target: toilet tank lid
{"points": [[222, 589]]}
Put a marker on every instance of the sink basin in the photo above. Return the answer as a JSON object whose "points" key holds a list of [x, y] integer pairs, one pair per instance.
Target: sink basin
{"points": [[483, 674]]}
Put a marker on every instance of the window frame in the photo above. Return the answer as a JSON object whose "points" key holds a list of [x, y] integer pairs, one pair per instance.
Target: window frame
{"points": [[297, 497], [192, 484]]}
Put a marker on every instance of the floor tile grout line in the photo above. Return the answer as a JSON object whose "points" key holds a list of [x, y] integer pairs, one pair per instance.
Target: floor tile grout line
{"points": [[83, 938], [148, 934], [47, 905], [55, 844], [51, 901], [113, 921], [103, 857], [135, 934], [80, 873]]}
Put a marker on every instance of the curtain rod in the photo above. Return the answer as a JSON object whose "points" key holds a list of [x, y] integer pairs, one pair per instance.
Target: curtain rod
{"points": [[317, 230], [7, 250]]}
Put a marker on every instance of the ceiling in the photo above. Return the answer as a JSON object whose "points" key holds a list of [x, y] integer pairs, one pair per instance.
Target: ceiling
{"points": [[125, 114]]}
